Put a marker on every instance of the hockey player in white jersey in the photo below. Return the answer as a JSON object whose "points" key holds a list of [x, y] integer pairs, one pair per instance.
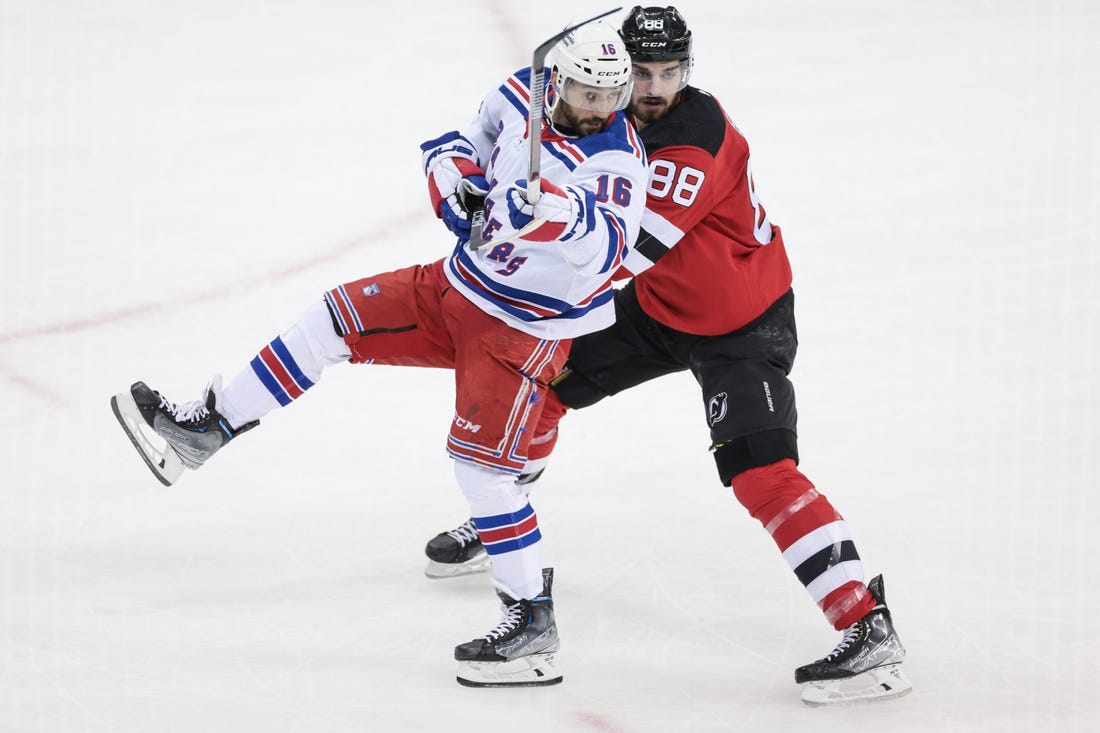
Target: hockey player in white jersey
{"points": [[716, 300], [500, 315]]}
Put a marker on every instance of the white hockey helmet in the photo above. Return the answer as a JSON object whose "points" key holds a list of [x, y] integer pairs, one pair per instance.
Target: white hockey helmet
{"points": [[590, 69]]}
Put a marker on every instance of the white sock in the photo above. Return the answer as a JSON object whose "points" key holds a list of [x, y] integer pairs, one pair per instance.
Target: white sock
{"points": [[507, 525], [284, 369]]}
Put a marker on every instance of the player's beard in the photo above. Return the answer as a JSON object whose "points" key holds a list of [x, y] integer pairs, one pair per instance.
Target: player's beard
{"points": [[589, 124], [650, 109]]}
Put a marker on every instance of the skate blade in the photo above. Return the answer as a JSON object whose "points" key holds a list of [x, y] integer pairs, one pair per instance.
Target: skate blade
{"points": [[438, 570], [881, 683], [163, 462], [533, 670]]}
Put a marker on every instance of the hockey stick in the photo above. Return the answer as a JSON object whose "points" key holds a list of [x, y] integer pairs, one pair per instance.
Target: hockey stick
{"points": [[534, 130]]}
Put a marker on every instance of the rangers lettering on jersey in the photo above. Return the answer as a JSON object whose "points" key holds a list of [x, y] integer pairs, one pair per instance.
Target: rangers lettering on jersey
{"points": [[556, 289]]}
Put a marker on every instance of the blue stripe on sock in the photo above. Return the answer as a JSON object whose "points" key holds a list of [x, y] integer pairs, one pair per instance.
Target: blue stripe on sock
{"points": [[270, 382], [503, 520], [296, 374]]}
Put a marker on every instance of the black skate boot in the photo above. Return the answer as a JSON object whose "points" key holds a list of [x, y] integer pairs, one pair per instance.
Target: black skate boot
{"points": [[519, 652], [456, 552], [866, 665], [192, 432]]}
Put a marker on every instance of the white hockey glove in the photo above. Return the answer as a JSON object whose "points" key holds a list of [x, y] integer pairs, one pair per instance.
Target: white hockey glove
{"points": [[559, 214], [456, 183]]}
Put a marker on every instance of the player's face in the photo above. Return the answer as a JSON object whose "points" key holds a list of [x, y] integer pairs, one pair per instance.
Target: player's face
{"points": [[585, 122], [656, 84], [601, 100], [586, 108]]}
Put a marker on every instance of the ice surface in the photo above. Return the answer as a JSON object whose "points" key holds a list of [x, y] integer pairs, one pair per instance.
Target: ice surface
{"points": [[179, 180]]}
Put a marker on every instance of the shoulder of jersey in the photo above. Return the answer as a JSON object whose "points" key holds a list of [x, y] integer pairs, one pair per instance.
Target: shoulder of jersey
{"points": [[698, 121], [517, 89]]}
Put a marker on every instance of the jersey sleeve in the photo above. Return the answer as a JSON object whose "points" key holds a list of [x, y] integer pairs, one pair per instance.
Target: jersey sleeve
{"points": [[482, 130], [617, 179], [485, 127]]}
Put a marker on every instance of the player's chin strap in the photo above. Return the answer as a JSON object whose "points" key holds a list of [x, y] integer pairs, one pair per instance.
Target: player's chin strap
{"points": [[534, 132]]}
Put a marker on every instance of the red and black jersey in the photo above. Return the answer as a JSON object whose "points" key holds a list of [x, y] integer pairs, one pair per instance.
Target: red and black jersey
{"points": [[710, 262]]}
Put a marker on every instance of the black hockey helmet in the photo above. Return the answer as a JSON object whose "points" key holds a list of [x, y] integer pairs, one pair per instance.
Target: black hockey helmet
{"points": [[656, 34]]}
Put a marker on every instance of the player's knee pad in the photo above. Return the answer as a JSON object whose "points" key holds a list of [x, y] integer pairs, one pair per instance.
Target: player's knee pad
{"points": [[284, 369], [751, 451], [306, 348], [488, 492], [575, 390], [315, 338]]}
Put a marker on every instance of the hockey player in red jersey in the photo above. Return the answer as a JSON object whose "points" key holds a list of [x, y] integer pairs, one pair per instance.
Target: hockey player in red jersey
{"points": [[500, 315], [711, 293]]}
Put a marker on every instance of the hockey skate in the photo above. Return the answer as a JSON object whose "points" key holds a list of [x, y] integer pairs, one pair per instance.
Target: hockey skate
{"points": [[456, 552], [519, 652], [865, 666], [171, 437]]}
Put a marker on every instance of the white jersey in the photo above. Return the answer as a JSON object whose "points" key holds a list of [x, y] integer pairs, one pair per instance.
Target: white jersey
{"points": [[557, 289]]}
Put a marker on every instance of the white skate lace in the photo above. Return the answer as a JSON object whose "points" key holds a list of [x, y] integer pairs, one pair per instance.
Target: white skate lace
{"points": [[187, 412], [465, 534], [513, 615], [851, 635]]}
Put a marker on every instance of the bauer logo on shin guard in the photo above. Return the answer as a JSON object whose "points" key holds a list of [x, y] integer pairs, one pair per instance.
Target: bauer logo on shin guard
{"points": [[768, 397]]}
